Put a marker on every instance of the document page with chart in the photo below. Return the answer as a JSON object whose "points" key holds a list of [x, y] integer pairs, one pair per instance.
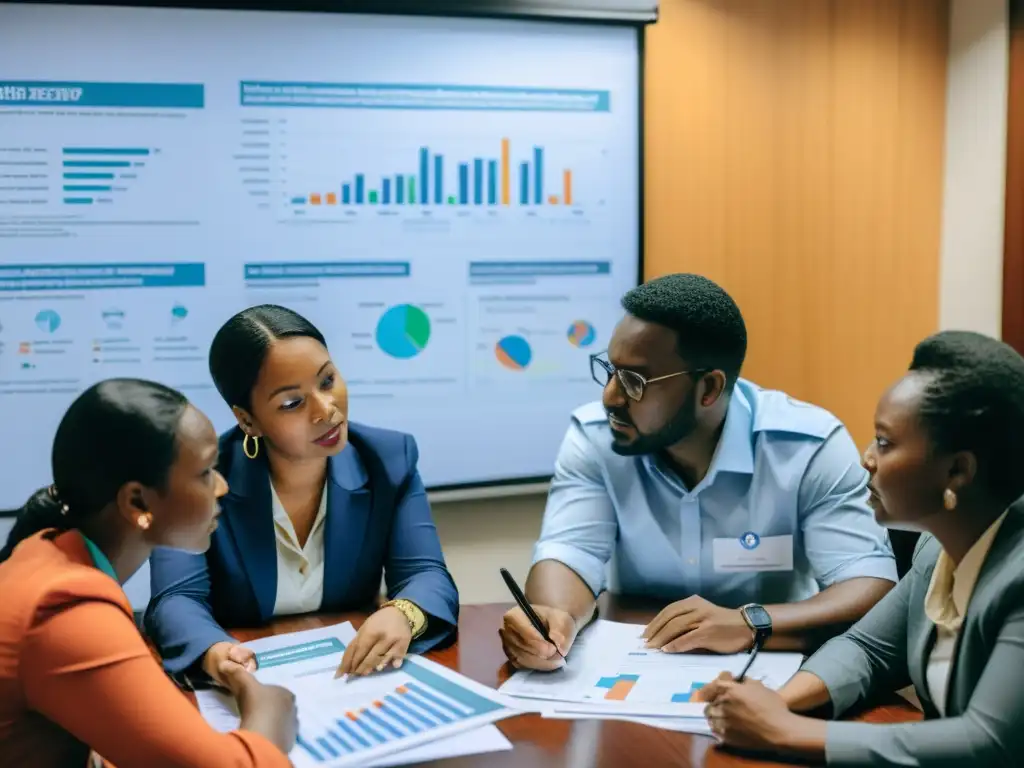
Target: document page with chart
{"points": [[358, 721], [609, 667]]}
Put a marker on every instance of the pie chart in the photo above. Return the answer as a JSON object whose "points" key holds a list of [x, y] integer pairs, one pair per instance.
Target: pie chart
{"points": [[403, 331], [47, 321], [513, 352], [581, 334]]}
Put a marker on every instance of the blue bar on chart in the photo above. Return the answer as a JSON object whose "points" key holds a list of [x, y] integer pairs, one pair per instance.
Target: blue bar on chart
{"points": [[404, 718], [478, 181], [97, 164], [83, 176], [400, 189], [326, 746], [524, 183], [492, 182], [463, 183], [298, 201], [359, 188], [78, 201], [424, 175], [346, 194], [87, 188], [538, 175], [438, 179], [120, 151], [385, 191]]}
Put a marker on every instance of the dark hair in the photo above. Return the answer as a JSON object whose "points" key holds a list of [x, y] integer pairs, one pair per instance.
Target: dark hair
{"points": [[709, 326], [242, 343], [974, 402], [115, 432]]}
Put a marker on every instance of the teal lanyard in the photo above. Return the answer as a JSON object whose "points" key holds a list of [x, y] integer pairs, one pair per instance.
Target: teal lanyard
{"points": [[99, 559]]}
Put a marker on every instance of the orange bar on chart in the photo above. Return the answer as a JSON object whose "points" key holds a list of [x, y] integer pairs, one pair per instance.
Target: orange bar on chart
{"points": [[567, 184], [506, 180], [553, 200], [332, 198], [620, 690], [314, 199]]}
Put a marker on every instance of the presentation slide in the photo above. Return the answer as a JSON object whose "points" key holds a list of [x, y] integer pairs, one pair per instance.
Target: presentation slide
{"points": [[453, 202]]}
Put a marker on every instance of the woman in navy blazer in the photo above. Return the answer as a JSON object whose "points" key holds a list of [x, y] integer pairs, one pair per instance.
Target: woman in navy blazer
{"points": [[331, 503]]}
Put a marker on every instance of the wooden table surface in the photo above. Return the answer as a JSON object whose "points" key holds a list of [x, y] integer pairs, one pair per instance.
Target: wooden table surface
{"points": [[540, 743]]}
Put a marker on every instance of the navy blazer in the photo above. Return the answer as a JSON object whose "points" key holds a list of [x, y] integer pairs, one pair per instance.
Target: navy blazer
{"points": [[378, 519]]}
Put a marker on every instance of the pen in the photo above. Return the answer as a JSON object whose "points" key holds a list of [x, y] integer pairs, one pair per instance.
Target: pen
{"points": [[753, 655], [525, 606]]}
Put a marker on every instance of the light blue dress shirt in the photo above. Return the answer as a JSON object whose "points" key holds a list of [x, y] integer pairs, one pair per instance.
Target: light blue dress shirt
{"points": [[781, 468]]}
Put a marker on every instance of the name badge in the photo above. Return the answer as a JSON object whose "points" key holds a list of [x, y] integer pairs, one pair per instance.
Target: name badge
{"points": [[751, 552]]}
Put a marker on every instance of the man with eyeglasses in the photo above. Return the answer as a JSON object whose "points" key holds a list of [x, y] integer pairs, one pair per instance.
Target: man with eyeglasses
{"points": [[742, 509]]}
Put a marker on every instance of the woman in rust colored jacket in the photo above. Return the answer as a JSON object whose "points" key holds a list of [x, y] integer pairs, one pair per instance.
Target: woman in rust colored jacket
{"points": [[134, 468]]}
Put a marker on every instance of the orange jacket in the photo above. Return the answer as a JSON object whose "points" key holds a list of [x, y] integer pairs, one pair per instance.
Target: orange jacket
{"points": [[76, 675]]}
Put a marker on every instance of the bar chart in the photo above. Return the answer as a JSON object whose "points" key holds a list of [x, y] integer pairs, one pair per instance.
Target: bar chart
{"points": [[98, 175], [353, 721], [430, 178]]}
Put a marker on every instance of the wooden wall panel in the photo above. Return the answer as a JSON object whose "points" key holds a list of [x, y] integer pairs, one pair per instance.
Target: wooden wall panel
{"points": [[1013, 248], [794, 154]]}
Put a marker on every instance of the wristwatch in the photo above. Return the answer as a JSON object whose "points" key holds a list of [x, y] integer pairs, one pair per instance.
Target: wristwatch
{"points": [[413, 614], [759, 621]]}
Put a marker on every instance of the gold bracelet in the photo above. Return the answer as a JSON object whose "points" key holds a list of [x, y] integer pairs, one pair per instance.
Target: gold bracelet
{"points": [[413, 614]]}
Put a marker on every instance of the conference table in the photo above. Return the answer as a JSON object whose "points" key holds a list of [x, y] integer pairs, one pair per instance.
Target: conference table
{"points": [[541, 743]]}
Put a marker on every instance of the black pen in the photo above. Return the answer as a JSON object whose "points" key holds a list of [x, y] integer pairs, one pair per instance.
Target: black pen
{"points": [[526, 608], [753, 655]]}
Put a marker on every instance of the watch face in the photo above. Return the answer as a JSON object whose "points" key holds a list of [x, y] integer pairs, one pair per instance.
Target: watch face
{"points": [[758, 616]]}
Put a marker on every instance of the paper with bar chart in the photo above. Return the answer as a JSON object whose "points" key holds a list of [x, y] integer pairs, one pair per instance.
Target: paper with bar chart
{"points": [[610, 670], [422, 707]]}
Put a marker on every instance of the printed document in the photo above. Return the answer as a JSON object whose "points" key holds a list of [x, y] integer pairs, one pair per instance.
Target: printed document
{"points": [[421, 711], [610, 670]]}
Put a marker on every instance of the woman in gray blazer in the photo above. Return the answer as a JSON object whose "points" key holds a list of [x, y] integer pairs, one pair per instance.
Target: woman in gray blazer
{"points": [[947, 460]]}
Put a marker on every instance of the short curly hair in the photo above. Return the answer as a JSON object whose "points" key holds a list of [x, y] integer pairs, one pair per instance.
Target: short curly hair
{"points": [[974, 402], [709, 326]]}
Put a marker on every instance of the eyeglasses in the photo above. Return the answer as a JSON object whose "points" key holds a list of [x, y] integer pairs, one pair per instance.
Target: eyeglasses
{"points": [[633, 384]]}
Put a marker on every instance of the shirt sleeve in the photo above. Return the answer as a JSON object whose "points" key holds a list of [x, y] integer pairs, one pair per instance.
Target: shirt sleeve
{"points": [[85, 668], [988, 733], [179, 619], [841, 539], [580, 526], [869, 658], [415, 568]]}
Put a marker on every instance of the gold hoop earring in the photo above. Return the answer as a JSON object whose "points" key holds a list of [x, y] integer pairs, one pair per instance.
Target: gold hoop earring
{"points": [[949, 499], [144, 522], [255, 446]]}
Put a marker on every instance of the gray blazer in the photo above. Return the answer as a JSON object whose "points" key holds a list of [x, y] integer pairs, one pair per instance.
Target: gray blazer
{"points": [[888, 649]]}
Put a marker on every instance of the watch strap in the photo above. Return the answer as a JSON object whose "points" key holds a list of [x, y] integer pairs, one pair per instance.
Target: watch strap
{"points": [[762, 633]]}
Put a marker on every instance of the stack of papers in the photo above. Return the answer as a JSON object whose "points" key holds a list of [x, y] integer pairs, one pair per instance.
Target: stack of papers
{"points": [[611, 675], [422, 711]]}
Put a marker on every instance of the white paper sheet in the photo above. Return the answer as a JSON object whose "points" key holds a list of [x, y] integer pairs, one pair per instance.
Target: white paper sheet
{"points": [[695, 725], [417, 713], [609, 669], [219, 710]]}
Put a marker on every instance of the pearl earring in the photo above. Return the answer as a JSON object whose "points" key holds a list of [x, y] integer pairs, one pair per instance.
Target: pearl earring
{"points": [[949, 499]]}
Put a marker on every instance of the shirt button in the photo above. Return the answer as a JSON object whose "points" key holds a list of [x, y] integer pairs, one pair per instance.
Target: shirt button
{"points": [[303, 568], [693, 561]]}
